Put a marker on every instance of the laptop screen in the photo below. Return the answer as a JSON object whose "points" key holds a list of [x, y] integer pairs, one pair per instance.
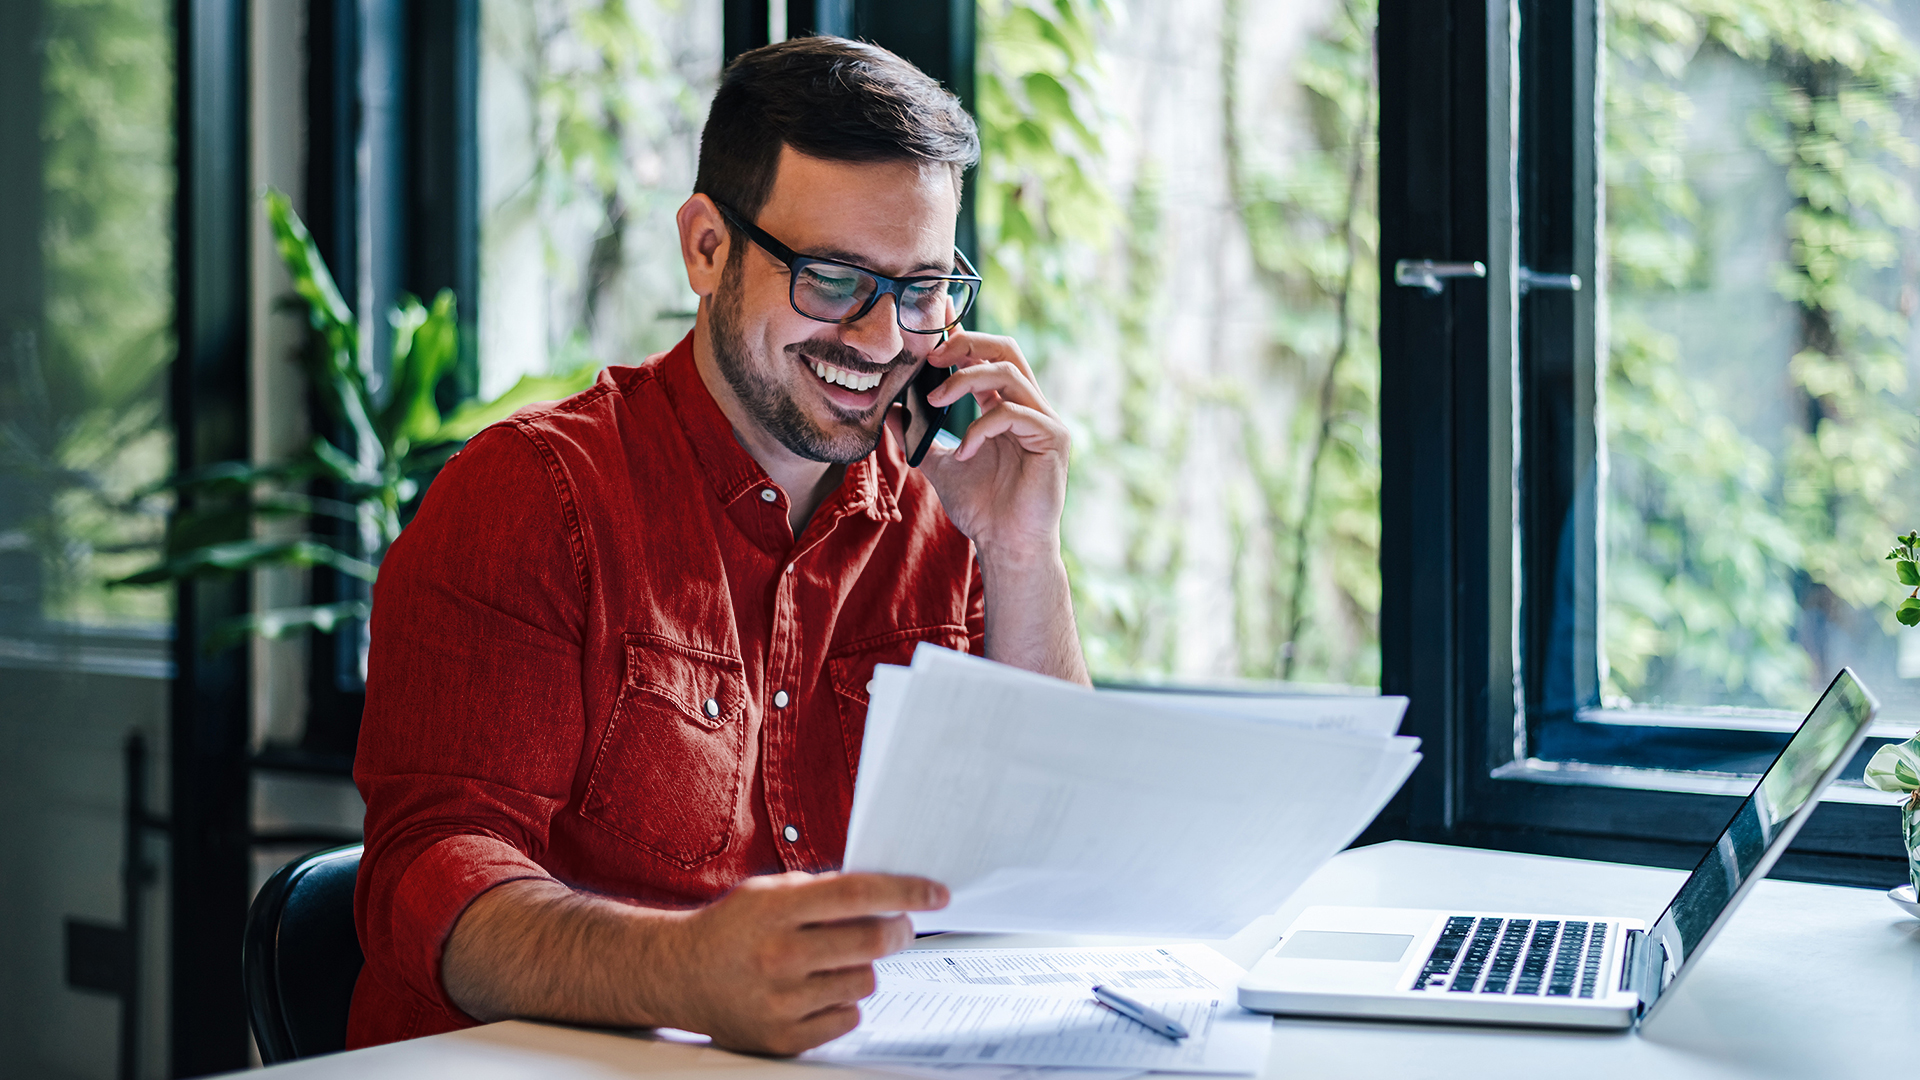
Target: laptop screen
{"points": [[1766, 821]]}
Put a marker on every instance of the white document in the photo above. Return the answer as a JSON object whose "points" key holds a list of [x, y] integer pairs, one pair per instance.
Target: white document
{"points": [[1004, 1072], [1069, 970], [1363, 714], [966, 1025], [1045, 806]]}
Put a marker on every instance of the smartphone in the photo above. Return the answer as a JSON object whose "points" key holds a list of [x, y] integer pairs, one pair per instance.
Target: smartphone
{"points": [[924, 420]]}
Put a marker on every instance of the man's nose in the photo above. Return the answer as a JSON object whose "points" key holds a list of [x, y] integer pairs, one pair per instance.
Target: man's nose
{"points": [[876, 334]]}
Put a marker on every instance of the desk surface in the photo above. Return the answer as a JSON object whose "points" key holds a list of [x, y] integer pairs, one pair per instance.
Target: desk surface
{"points": [[1806, 981]]}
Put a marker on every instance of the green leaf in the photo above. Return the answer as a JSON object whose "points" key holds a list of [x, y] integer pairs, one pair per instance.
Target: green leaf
{"points": [[238, 555], [1908, 613], [279, 622], [342, 467], [1909, 572], [426, 344], [327, 309], [232, 476], [1052, 103], [1895, 767], [468, 420]]}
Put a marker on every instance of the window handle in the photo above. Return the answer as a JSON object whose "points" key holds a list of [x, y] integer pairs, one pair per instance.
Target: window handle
{"points": [[1533, 279], [1431, 276]]}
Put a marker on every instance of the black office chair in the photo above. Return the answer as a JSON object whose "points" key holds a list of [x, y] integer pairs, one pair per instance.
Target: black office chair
{"points": [[301, 956]]}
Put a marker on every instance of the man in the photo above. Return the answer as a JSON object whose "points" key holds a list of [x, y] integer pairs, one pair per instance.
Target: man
{"points": [[619, 665]]}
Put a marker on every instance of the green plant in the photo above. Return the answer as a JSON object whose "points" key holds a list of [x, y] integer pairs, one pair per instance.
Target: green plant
{"points": [[391, 439], [1905, 557]]}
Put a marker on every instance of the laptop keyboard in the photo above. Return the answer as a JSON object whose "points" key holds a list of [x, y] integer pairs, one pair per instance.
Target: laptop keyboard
{"points": [[1516, 956]]}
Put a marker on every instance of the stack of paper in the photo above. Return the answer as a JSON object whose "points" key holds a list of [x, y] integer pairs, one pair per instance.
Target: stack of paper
{"points": [[1017, 1009], [1045, 806]]}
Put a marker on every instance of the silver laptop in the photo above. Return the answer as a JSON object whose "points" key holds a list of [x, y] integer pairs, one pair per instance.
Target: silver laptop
{"points": [[1556, 970]]}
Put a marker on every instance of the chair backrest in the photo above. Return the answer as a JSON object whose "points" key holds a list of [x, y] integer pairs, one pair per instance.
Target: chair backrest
{"points": [[301, 956]]}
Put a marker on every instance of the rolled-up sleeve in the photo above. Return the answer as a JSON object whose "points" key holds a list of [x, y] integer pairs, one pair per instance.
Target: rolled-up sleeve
{"points": [[473, 723]]}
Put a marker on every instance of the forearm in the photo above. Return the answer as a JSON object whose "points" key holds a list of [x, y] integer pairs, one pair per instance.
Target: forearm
{"points": [[538, 949], [1030, 615]]}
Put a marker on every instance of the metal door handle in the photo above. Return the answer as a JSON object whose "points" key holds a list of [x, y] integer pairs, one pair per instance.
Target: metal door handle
{"points": [[1431, 276], [1530, 280]]}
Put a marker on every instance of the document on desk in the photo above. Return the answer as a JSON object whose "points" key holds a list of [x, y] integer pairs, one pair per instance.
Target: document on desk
{"points": [[1034, 1007], [1048, 807], [1002, 1027], [1003, 1072], [1068, 969]]}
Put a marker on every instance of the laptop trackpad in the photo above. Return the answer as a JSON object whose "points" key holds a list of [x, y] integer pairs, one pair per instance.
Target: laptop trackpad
{"points": [[1341, 945]]}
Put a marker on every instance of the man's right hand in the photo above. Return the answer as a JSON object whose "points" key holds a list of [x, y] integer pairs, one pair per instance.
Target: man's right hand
{"points": [[779, 964], [776, 966]]}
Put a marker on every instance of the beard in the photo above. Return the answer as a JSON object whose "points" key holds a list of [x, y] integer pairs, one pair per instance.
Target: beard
{"points": [[771, 404]]}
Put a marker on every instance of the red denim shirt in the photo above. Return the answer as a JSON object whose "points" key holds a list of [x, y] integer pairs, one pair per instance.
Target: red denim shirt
{"points": [[599, 655]]}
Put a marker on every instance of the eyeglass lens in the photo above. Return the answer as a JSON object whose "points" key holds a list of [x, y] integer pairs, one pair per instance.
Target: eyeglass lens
{"points": [[833, 293]]}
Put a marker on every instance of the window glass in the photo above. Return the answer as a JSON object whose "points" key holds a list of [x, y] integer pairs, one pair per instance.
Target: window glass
{"points": [[1762, 245], [590, 119], [87, 184], [89, 325], [1177, 220]]}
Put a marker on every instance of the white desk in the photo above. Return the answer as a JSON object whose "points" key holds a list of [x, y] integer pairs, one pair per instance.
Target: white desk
{"points": [[1807, 981]]}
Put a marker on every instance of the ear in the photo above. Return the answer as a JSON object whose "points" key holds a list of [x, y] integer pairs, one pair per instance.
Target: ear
{"points": [[704, 243]]}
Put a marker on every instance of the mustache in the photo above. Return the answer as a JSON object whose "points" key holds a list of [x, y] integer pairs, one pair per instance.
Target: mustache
{"points": [[845, 357]]}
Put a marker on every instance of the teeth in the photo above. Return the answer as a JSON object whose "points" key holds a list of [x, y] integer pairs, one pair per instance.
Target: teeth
{"points": [[840, 377]]}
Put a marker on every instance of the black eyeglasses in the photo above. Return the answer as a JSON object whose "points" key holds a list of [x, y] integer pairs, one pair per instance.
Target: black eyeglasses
{"points": [[837, 292]]}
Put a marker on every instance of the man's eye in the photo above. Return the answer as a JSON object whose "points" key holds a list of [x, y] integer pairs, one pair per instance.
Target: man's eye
{"points": [[828, 283], [923, 297]]}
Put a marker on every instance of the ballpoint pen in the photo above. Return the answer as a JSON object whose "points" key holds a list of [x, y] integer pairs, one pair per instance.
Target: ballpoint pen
{"points": [[1160, 1022]]}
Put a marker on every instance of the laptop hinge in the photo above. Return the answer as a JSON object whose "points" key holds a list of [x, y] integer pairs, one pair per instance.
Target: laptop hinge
{"points": [[1636, 939]]}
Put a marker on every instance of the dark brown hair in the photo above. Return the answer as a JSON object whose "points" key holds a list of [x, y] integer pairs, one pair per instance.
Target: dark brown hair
{"points": [[828, 98]]}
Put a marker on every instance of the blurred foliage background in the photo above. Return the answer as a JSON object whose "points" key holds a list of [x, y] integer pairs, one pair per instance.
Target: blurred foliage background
{"points": [[83, 394], [1177, 219], [1761, 220]]}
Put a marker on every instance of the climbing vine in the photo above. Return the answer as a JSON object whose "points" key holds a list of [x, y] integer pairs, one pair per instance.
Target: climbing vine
{"points": [[1076, 245], [1730, 550], [613, 110]]}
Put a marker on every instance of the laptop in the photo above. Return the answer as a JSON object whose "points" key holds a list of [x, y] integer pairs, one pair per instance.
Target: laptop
{"points": [[1532, 968]]}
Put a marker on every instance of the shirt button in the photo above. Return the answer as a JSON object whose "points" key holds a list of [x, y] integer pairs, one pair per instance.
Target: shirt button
{"points": [[713, 709], [768, 495], [792, 834], [780, 699]]}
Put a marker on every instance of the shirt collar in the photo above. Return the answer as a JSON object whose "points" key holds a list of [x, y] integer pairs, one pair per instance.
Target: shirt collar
{"points": [[869, 486]]}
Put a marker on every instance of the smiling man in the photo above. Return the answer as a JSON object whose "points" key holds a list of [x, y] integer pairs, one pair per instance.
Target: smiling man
{"points": [[618, 677]]}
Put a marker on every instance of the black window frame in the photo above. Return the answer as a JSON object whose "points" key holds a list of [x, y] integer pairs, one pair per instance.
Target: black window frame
{"points": [[420, 172], [1489, 153]]}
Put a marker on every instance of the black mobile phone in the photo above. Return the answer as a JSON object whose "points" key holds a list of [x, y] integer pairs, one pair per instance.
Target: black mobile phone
{"points": [[923, 418]]}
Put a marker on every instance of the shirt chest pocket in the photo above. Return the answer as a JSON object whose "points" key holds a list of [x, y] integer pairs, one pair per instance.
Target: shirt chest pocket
{"points": [[850, 667], [668, 775]]}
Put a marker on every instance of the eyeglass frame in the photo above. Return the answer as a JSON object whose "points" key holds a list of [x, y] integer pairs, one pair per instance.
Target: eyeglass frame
{"points": [[888, 286]]}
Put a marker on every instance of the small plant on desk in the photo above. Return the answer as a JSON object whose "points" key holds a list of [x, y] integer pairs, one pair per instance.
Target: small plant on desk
{"points": [[1897, 767]]}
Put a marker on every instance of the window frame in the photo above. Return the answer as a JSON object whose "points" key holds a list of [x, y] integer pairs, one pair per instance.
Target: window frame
{"points": [[1482, 160]]}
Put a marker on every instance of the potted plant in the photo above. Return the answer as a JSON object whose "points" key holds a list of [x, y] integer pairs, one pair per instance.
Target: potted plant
{"points": [[390, 440], [1897, 767]]}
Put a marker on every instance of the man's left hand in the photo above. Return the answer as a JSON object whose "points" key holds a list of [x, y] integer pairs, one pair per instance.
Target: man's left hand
{"points": [[1005, 485]]}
